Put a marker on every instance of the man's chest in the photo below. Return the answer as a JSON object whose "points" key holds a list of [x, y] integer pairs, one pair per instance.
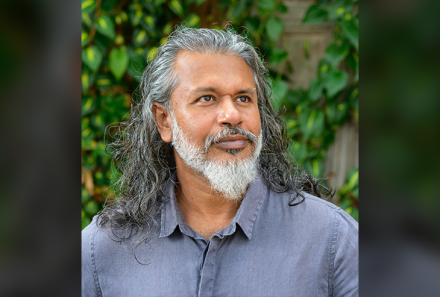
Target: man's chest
{"points": [[221, 268]]}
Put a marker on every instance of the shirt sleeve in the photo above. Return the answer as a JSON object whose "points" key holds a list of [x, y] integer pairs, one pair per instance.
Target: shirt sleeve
{"points": [[89, 278], [346, 259]]}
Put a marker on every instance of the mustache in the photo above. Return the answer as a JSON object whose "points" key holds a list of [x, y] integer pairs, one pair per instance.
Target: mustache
{"points": [[213, 139]]}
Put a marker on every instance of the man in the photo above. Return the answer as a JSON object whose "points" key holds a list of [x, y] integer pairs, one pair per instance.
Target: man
{"points": [[209, 204]]}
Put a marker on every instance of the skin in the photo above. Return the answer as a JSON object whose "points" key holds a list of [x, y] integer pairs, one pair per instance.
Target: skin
{"points": [[215, 91]]}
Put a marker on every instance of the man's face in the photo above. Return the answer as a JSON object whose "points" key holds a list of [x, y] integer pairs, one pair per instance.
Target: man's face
{"points": [[216, 92]]}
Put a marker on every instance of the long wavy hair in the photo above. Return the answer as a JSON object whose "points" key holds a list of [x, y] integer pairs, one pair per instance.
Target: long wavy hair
{"points": [[145, 161]]}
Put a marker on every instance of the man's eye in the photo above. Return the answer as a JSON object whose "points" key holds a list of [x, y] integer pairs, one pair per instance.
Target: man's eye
{"points": [[206, 98], [243, 99]]}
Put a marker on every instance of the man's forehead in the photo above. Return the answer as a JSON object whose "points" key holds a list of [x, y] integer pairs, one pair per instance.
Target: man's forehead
{"points": [[210, 71], [186, 58]]}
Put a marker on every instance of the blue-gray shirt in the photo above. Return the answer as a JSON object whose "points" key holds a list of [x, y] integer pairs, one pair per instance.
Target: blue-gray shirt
{"points": [[269, 249]]}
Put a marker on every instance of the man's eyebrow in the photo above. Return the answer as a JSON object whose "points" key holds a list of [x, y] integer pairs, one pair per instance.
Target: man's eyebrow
{"points": [[205, 89], [246, 91], [213, 89]]}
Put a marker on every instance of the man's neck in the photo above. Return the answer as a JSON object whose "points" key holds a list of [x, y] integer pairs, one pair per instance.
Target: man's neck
{"points": [[204, 211]]}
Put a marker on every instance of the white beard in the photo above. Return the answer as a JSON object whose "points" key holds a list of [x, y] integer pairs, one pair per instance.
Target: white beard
{"points": [[231, 178]]}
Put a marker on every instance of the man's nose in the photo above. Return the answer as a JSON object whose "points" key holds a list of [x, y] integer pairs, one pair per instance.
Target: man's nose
{"points": [[228, 114]]}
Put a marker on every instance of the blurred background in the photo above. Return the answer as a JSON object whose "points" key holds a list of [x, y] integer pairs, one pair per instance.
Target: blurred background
{"points": [[309, 47], [42, 78]]}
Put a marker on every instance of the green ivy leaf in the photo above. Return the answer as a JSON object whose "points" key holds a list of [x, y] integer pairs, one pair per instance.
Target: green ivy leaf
{"points": [[88, 105], [176, 7], [315, 89], [350, 193], [315, 15], [158, 3], [85, 123], [86, 19], [267, 5], [324, 67], [87, 79], [279, 91], [92, 57], [118, 62], [335, 81], [140, 37], [104, 82], [299, 151], [274, 28], [88, 6], [84, 38], [168, 28], [252, 24], [136, 16], [351, 31], [277, 56], [87, 132], [281, 7], [105, 26], [198, 2], [192, 20], [149, 23], [338, 9], [337, 113], [97, 122], [351, 182], [152, 53], [291, 125], [335, 54], [237, 9], [315, 167], [292, 98], [311, 122]]}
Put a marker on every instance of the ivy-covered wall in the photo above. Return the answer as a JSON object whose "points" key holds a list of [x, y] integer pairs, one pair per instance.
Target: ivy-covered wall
{"points": [[119, 37]]}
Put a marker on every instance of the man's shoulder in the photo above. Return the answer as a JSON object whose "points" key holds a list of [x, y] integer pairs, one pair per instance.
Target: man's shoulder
{"points": [[319, 202], [312, 209], [340, 215], [303, 202], [90, 233], [321, 205], [94, 236]]}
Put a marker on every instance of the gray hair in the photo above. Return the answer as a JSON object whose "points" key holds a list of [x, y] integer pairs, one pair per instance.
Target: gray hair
{"points": [[145, 161]]}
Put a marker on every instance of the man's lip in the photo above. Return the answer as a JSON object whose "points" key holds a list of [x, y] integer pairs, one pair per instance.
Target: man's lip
{"points": [[232, 142], [232, 138]]}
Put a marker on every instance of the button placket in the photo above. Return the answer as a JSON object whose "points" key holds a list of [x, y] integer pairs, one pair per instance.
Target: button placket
{"points": [[208, 269]]}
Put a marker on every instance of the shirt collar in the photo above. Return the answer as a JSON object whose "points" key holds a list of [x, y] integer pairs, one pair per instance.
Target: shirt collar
{"points": [[172, 217]]}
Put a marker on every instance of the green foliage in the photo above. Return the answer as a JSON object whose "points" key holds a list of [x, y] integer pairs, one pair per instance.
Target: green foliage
{"points": [[274, 28], [118, 38], [118, 62], [332, 97], [350, 194]]}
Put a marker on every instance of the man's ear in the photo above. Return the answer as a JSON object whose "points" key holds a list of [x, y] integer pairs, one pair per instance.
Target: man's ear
{"points": [[162, 117]]}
